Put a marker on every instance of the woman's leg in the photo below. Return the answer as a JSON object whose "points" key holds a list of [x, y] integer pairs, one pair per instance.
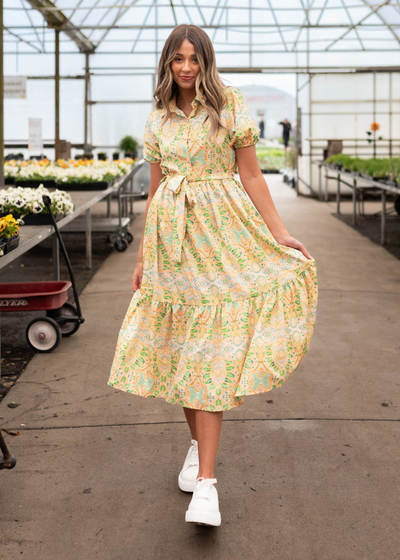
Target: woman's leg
{"points": [[191, 420], [208, 430]]}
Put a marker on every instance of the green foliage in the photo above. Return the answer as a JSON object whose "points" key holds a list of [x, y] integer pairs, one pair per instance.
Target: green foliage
{"points": [[270, 158], [380, 168], [128, 144]]}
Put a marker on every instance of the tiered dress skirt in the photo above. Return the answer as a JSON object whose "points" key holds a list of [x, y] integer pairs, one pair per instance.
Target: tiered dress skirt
{"points": [[223, 311]]}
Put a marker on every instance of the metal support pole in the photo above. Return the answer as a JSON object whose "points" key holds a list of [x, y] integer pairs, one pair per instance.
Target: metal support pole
{"points": [[119, 208], [297, 134], [374, 106], [310, 109], [354, 202], [326, 186], [109, 206], [338, 195], [390, 116], [131, 197], [1, 98], [86, 128], [88, 239], [57, 93], [56, 257], [383, 220], [319, 182], [298, 147]]}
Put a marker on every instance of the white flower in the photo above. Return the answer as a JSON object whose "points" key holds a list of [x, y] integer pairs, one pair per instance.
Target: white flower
{"points": [[37, 208]]}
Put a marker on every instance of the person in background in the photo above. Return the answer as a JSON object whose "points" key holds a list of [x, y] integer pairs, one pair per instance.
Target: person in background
{"points": [[261, 127], [287, 127]]}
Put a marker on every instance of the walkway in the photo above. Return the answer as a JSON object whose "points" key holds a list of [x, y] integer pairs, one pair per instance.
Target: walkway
{"points": [[306, 472]]}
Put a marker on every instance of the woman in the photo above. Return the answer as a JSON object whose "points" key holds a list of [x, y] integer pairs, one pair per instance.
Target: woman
{"points": [[225, 299]]}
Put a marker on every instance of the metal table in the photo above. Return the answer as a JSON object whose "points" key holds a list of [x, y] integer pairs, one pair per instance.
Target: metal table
{"points": [[356, 183], [30, 236], [115, 227]]}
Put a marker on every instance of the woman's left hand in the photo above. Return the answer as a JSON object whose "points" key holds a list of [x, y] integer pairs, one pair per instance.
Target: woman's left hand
{"points": [[292, 242]]}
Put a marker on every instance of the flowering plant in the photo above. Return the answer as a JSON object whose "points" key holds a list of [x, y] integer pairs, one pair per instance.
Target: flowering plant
{"points": [[30, 201], [9, 226], [67, 171]]}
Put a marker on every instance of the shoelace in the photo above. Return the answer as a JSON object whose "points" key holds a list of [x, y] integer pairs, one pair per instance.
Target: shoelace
{"points": [[203, 487], [193, 456]]}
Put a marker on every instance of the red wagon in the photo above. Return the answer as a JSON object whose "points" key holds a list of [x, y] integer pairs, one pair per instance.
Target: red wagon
{"points": [[62, 319]]}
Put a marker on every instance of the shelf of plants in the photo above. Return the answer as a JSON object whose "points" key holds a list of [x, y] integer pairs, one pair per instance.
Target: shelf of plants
{"points": [[70, 175], [385, 170], [26, 205]]}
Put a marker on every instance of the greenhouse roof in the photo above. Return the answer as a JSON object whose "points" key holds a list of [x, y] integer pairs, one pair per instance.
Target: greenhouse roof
{"points": [[263, 35]]}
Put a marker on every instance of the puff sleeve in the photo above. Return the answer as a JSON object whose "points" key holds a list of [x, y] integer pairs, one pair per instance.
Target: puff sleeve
{"points": [[245, 131], [151, 148]]}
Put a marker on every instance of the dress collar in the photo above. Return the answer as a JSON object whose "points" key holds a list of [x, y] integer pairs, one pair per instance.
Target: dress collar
{"points": [[195, 103]]}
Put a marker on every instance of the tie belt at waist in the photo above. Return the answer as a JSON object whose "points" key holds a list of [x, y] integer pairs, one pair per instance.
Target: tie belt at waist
{"points": [[179, 185]]}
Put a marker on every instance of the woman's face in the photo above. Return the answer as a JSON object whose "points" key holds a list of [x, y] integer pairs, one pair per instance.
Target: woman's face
{"points": [[185, 66]]}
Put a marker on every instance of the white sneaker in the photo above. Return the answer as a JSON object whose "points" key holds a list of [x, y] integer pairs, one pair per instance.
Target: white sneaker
{"points": [[190, 470], [204, 507]]}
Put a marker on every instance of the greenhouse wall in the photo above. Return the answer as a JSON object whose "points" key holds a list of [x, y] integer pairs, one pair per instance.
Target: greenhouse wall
{"points": [[343, 106]]}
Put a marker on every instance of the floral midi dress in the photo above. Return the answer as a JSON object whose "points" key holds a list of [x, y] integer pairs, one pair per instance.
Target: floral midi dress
{"points": [[223, 310]]}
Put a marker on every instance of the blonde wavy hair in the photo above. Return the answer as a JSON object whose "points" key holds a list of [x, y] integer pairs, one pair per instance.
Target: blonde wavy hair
{"points": [[207, 81]]}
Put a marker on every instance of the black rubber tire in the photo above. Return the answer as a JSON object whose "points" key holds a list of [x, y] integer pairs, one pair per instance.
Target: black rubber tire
{"points": [[68, 329], [51, 330], [121, 245], [129, 237]]}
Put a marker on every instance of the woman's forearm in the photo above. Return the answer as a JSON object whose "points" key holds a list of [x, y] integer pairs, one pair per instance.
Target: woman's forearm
{"points": [[140, 252], [155, 178], [258, 191], [254, 183]]}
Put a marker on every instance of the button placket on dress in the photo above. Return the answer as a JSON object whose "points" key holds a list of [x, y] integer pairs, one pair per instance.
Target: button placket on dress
{"points": [[179, 186]]}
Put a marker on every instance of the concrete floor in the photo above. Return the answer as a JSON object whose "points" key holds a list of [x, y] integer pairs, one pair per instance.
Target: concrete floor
{"points": [[306, 472]]}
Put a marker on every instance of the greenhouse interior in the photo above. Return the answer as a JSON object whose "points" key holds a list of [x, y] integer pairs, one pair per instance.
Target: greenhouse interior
{"points": [[320, 81]]}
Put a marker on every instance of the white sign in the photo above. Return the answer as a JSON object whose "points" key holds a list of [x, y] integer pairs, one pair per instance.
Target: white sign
{"points": [[14, 87], [35, 135]]}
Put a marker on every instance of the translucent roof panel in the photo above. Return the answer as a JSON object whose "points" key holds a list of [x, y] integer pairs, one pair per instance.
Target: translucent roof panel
{"points": [[263, 34]]}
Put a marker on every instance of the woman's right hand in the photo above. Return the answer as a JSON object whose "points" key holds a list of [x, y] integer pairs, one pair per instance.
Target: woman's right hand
{"points": [[137, 276]]}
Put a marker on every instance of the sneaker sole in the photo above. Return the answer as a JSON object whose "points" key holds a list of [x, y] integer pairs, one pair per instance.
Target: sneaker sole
{"points": [[186, 486], [201, 518]]}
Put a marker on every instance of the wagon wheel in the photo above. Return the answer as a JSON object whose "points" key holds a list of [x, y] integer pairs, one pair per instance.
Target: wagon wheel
{"points": [[43, 334], [69, 328], [129, 236], [121, 245]]}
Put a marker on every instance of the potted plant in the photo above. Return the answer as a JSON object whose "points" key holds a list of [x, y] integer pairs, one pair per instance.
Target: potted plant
{"points": [[129, 145], [9, 234], [26, 205]]}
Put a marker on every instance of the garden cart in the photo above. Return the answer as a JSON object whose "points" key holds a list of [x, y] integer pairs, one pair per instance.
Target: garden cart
{"points": [[62, 318]]}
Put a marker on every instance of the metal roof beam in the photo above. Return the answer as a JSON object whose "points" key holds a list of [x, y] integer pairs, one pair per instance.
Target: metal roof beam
{"points": [[355, 25], [21, 40], [57, 19], [230, 26], [384, 21]]}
